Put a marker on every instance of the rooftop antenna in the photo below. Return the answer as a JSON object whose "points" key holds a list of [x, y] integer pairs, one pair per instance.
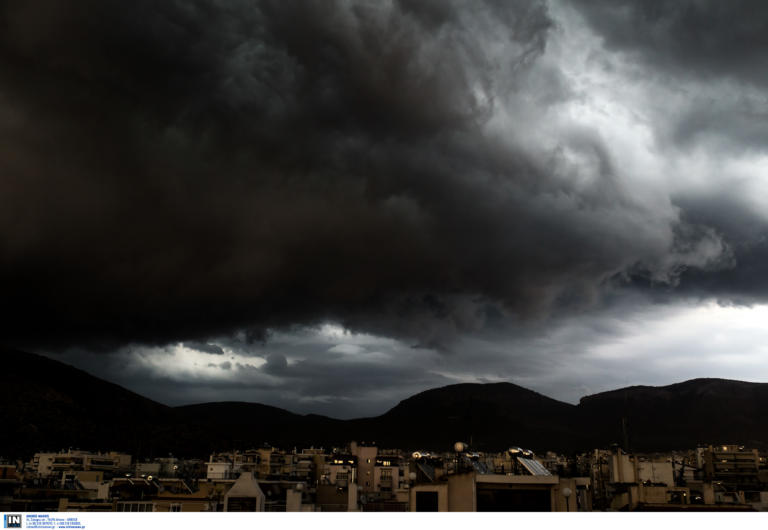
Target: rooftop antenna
{"points": [[625, 434], [625, 422]]}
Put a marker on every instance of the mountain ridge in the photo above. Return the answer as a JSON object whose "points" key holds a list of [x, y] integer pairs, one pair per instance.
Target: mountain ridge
{"points": [[49, 405]]}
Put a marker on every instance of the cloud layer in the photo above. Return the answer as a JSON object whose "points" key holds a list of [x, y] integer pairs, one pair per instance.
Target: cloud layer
{"points": [[412, 169], [477, 191], [330, 371]]}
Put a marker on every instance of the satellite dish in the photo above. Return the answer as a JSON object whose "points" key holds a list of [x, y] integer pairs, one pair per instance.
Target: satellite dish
{"points": [[460, 447]]}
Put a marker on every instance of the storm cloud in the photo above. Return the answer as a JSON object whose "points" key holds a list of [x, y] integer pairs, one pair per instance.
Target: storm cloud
{"points": [[706, 39], [702, 68], [199, 191], [186, 170]]}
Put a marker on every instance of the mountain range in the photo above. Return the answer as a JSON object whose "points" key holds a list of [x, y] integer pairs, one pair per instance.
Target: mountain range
{"points": [[48, 405]]}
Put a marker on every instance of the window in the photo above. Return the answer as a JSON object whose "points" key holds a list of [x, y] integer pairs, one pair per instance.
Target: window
{"points": [[175, 507], [135, 507], [102, 463], [426, 501], [752, 496]]}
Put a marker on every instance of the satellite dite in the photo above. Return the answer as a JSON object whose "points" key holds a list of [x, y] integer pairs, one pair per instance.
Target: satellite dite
{"points": [[12, 520]]}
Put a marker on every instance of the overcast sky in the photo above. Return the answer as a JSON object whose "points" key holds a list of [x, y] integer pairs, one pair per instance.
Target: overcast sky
{"points": [[329, 206]]}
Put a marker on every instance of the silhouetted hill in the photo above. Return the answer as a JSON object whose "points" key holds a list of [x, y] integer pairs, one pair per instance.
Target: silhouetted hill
{"points": [[483, 414], [51, 405], [48, 405], [682, 414], [225, 425]]}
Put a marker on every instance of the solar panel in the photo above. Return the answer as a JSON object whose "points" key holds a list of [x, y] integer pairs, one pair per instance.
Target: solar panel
{"points": [[428, 470], [534, 467], [480, 467]]}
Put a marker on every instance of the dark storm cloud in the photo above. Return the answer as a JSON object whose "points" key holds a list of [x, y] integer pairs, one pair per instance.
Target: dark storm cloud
{"points": [[178, 171], [714, 54], [709, 39], [276, 364], [710, 59], [746, 230]]}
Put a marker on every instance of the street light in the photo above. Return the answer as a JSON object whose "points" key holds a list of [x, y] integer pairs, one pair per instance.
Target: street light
{"points": [[567, 494]]}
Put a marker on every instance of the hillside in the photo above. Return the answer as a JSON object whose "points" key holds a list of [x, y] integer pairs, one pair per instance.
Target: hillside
{"points": [[682, 414], [484, 414], [48, 405], [51, 405]]}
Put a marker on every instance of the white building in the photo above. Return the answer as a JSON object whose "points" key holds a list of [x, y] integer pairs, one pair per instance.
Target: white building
{"points": [[52, 464]]}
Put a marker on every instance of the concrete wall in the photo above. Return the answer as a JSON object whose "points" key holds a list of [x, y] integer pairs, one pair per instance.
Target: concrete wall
{"points": [[653, 494], [148, 468], [292, 500], [622, 468], [462, 496], [218, 470], [656, 472]]}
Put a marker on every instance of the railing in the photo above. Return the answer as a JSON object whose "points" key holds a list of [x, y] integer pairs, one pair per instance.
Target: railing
{"points": [[385, 507], [332, 507]]}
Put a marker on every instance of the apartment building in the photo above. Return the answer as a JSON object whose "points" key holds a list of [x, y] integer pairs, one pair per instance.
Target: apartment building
{"points": [[53, 464]]}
